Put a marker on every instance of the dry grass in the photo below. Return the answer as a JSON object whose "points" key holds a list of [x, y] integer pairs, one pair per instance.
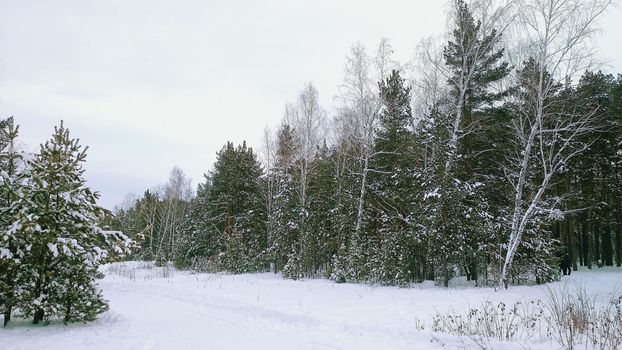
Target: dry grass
{"points": [[569, 319]]}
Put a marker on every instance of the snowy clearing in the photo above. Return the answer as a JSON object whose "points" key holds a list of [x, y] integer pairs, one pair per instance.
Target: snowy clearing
{"points": [[159, 308]]}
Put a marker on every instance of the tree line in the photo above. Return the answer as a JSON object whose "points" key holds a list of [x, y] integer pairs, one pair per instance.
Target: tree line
{"points": [[490, 155]]}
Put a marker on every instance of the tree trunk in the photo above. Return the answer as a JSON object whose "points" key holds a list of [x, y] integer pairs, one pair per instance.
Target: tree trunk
{"points": [[585, 240], [607, 247], [39, 314], [361, 201], [596, 253], [67, 317], [572, 246], [619, 240], [7, 315]]}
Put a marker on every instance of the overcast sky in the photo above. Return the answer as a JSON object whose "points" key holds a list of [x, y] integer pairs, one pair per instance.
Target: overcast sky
{"points": [[151, 84]]}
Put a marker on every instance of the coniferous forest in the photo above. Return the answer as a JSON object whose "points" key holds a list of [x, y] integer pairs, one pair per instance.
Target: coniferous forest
{"points": [[492, 154]]}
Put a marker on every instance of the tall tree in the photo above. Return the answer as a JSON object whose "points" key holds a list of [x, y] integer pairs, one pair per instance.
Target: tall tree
{"points": [[556, 33], [308, 120], [234, 209], [392, 184], [283, 246], [175, 194]]}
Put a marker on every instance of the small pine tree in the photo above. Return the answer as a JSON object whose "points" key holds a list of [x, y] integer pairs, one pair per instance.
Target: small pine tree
{"points": [[69, 245]]}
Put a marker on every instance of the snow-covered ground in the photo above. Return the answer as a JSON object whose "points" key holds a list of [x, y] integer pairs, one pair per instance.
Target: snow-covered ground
{"points": [[159, 308]]}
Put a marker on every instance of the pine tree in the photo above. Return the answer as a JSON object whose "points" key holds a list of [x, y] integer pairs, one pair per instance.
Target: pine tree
{"points": [[197, 243], [466, 161], [392, 185], [323, 240], [14, 219], [283, 246], [68, 245], [235, 211]]}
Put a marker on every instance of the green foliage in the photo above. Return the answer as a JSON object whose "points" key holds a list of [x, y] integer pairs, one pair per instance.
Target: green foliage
{"points": [[50, 227]]}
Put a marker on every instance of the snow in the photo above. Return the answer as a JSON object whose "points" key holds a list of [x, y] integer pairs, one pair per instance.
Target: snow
{"points": [[53, 248], [432, 194], [5, 253], [160, 308]]}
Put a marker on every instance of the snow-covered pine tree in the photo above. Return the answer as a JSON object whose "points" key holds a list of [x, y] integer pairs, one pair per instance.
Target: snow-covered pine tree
{"points": [[235, 210], [323, 238], [197, 242], [68, 246], [252, 223], [393, 186], [14, 220], [283, 248], [462, 222]]}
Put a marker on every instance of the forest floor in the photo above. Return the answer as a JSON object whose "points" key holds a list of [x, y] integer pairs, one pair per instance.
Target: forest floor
{"points": [[160, 308]]}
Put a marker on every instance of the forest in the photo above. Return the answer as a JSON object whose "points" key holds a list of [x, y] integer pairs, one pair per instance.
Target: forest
{"points": [[491, 154]]}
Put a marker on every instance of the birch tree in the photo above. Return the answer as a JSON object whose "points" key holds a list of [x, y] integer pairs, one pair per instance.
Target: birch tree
{"points": [[360, 105], [176, 194], [308, 121], [556, 37], [455, 87], [361, 101]]}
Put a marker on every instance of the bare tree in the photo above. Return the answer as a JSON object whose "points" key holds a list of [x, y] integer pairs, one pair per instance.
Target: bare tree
{"points": [[556, 35], [268, 156], [176, 194], [308, 120], [360, 108]]}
